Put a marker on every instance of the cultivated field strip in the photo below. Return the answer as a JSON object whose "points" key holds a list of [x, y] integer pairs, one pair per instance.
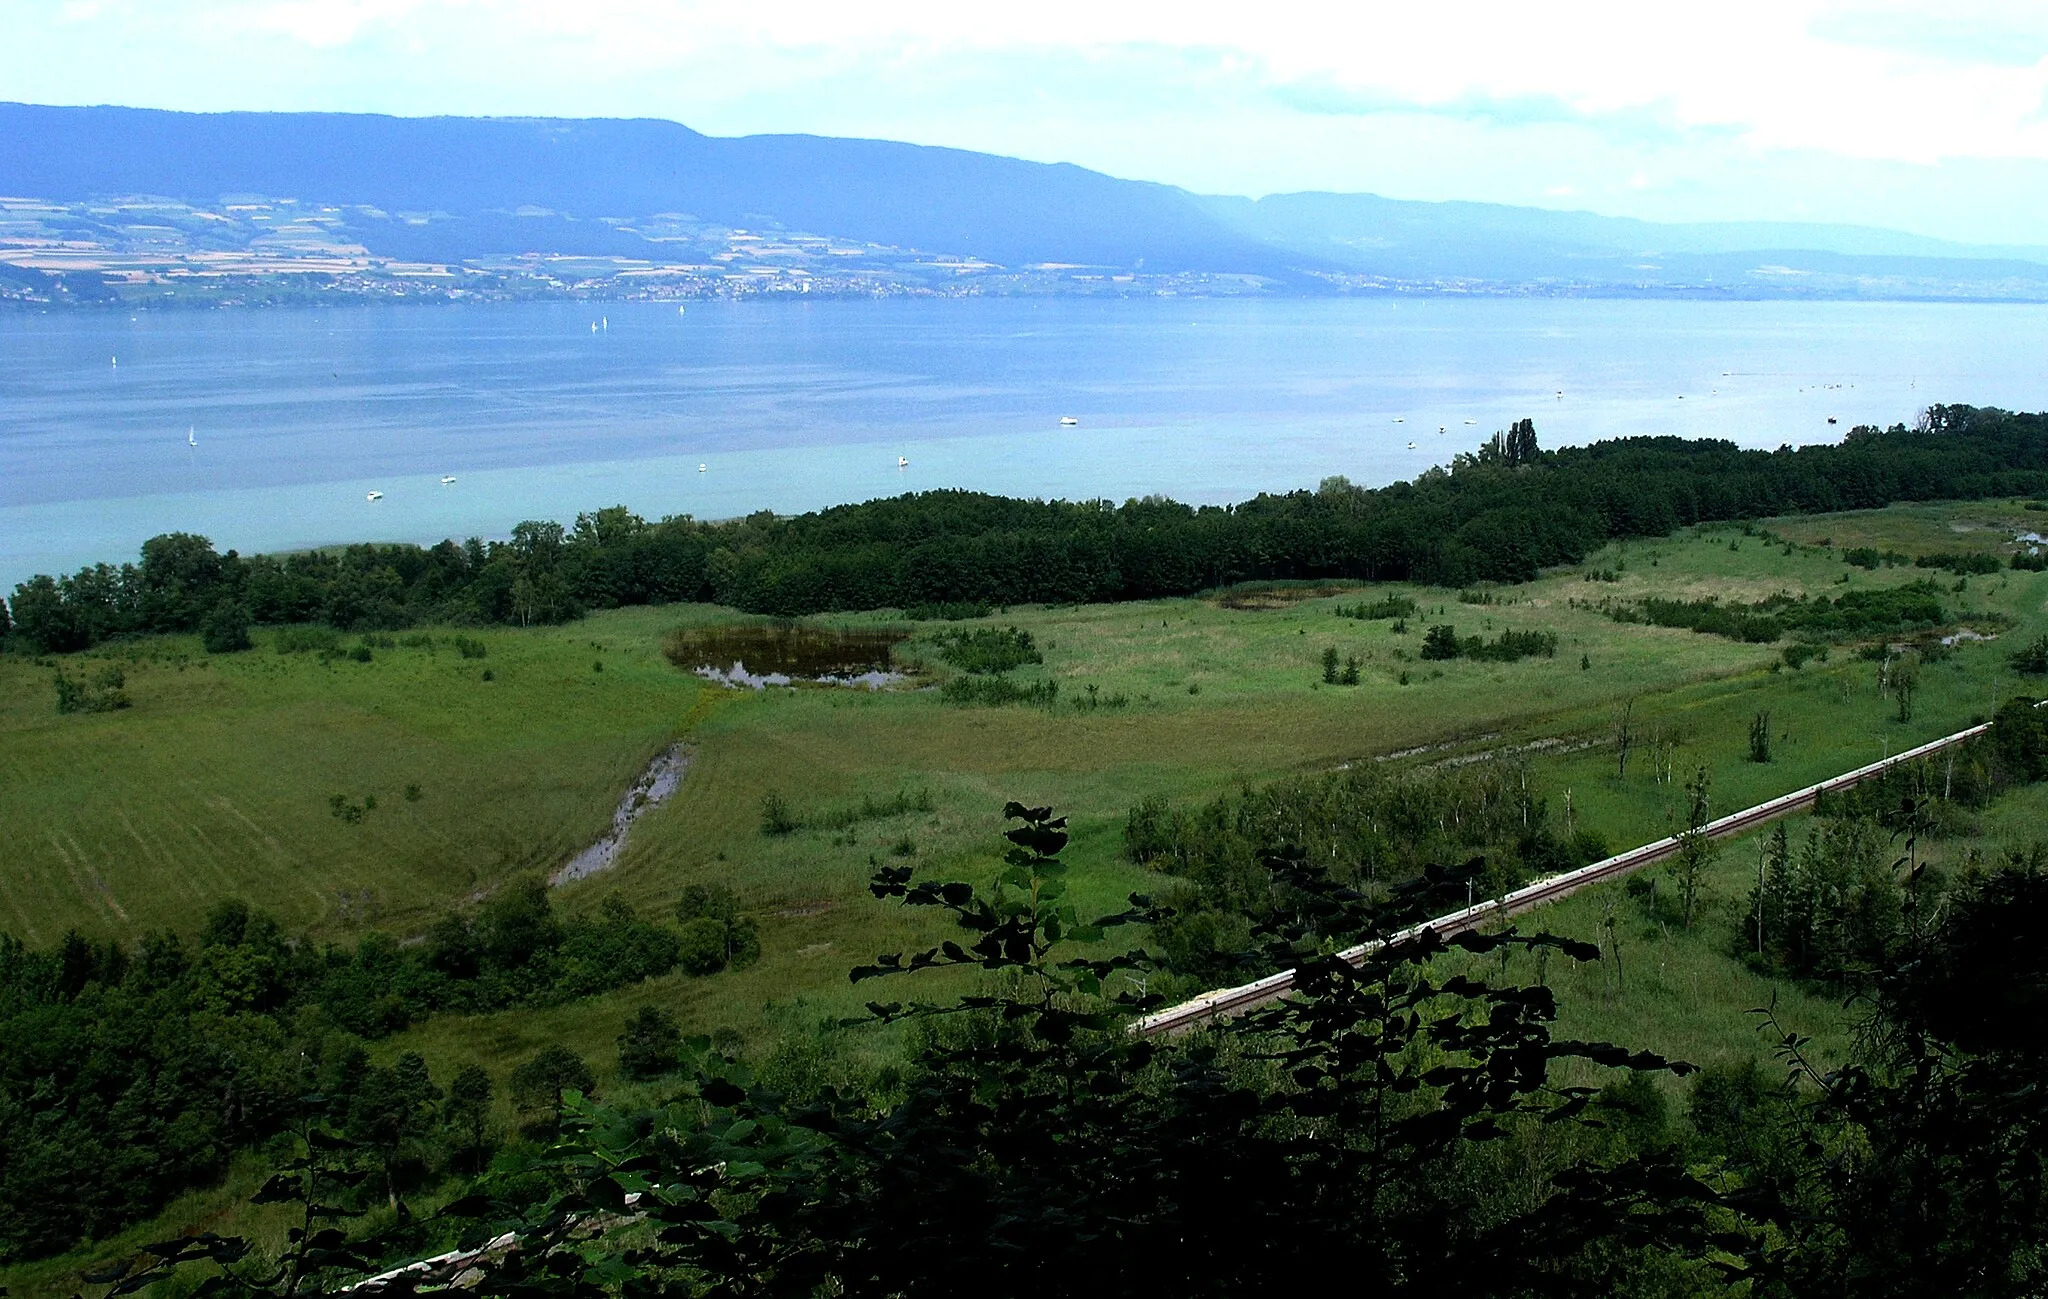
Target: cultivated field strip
{"points": [[1229, 1001]]}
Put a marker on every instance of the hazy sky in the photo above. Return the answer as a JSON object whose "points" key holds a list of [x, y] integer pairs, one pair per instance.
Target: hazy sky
{"points": [[1924, 116]]}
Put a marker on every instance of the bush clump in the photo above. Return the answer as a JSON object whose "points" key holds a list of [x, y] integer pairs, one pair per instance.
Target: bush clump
{"points": [[226, 629], [1390, 606], [997, 691], [1441, 643], [715, 935], [104, 691], [986, 651], [306, 638]]}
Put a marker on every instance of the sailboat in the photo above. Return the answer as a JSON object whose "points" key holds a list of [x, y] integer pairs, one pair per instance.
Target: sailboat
{"points": [[191, 438], [607, 322]]}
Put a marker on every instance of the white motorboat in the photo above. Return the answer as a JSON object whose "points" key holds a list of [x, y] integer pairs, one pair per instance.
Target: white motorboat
{"points": [[373, 496], [1068, 421]]}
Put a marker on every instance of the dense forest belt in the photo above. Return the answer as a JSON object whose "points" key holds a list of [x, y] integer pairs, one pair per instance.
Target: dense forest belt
{"points": [[1500, 514], [1231, 1001]]}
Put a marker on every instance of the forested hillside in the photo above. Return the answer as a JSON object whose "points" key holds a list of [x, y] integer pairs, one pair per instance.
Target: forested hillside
{"points": [[1498, 515]]}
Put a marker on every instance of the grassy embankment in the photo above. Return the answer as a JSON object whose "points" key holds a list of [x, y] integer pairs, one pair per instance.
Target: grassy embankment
{"points": [[217, 782]]}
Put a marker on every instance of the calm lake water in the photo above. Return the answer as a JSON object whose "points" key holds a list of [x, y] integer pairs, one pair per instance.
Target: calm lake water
{"points": [[298, 414]]}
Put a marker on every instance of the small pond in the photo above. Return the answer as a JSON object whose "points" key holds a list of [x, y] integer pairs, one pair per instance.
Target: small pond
{"points": [[775, 654]]}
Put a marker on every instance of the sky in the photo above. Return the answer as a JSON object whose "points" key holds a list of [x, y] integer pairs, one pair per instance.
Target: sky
{"points": [[1929, 117]]}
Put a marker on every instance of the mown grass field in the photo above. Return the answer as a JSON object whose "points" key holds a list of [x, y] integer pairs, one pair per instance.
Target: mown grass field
{"points": [[217, 782]]}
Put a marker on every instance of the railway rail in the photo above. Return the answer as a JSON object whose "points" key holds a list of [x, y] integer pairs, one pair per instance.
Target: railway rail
{"points": [[1229, 1001]]}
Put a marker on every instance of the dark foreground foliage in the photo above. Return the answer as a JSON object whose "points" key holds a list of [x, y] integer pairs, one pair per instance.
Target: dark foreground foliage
{"points": [[1404, 1122], [1500, 515], [129, 1075]]}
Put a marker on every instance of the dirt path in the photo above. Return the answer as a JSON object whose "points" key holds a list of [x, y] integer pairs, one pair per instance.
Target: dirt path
{"points": [[662, 778]]}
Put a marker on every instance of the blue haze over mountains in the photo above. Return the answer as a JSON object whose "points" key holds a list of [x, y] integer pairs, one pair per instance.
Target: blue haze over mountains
{"points": [[497, 186]]}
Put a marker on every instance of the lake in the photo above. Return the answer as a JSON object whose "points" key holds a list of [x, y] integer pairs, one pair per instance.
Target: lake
{"points": [[266, 429]]}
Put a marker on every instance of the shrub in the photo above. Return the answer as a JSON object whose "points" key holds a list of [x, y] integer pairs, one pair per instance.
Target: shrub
{"points": [[651, 1045], [1392, 606], [703, 948], [102, 692], [776, 818], [300, 640], [1797, 656], [2020, 733], [994, 691], [986, 651], [540, 1085], [2032, 660], [470, 647], [226, 629], [1440, 642], [739, 939], [1961, 564], [1513, 646]]}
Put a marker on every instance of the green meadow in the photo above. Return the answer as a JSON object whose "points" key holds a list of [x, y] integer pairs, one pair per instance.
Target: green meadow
{"points": [[219, 781]]}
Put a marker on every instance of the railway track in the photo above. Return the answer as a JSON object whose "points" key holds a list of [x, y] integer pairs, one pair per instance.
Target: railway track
{"points": [[1229, 1001]]}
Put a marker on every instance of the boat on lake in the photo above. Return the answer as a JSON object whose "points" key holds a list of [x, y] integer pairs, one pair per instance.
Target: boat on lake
{"points": [[373, 496], [1068, 421]]}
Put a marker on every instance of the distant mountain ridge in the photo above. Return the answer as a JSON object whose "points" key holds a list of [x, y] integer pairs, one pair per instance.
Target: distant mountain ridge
{"points": [[1002, 209], [513, 185]]}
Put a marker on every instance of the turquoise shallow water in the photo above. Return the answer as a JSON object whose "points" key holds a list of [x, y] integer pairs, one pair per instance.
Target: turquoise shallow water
{"points": [[299, 414]]}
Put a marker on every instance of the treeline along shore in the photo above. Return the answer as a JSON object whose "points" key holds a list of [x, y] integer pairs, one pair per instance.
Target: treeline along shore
{"points": [[1500, 514]]}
